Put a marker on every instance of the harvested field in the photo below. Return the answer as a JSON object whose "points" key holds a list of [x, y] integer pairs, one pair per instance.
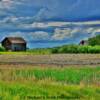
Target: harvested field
{"points": [[58, 60]]}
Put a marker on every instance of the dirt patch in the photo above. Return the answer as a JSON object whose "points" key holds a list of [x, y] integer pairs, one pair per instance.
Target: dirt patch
{"points": [[51, 60]]}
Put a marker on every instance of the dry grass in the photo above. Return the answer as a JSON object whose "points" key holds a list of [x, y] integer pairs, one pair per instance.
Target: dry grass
{"points": [[49, 83], [43, 77], [60, 59]]}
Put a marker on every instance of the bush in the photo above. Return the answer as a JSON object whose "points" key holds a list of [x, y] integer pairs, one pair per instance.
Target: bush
{"points": [[2, 48], [68, 49], [76, 49], [55, 50], [94, 41]]}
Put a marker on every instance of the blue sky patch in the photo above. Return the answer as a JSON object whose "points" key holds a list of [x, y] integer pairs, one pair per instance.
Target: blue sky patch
{"points": [[56, 22]]}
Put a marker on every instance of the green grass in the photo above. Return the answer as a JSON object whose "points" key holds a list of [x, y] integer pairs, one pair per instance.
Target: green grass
{"points": [[49, 83], [45, 89], [67, 75], [66, 49], [33, 51]]}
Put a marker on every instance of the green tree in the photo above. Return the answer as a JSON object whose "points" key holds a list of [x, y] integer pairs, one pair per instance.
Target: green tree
{"points": [[94, 41]]}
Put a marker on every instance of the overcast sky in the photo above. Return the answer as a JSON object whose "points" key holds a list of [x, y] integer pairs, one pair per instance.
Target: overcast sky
{"points": [[50, 21]]}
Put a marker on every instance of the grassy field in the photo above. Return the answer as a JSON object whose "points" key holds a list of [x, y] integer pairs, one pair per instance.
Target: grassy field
{"points": [[49, 83]]}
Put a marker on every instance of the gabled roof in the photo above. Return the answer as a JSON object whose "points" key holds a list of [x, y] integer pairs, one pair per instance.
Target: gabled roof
{"points": [[15, 40], [83, 42]]}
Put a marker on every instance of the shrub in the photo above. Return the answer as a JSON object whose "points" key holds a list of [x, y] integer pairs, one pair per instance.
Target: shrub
{"points": [[77, 49], [2, 48], [55, 50], [94, 41]]}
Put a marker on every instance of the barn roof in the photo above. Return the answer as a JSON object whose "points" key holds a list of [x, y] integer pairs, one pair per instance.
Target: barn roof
{"points": [[15, 39]]}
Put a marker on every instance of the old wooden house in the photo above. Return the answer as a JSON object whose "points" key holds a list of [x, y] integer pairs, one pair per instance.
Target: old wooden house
{"points": [[83, 42], [14, 44]]}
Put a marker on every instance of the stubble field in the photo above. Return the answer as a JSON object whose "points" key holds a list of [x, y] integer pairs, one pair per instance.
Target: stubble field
{"points": [[56, 59]]}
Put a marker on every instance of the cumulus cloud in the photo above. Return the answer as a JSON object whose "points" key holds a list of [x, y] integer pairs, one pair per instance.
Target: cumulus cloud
{"points": [[45, 24], [60, 30], [6, 4], [76, 32], [31, 36], [60, 34], [57, 24], [48, 19], [40, 35]]}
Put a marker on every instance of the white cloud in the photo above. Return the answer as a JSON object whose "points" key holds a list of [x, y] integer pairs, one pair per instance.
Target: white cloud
{"points": [[31, 36], [64, 33], [10, 4], [61, 34], [62, 30], [58, 24], [40, 35], [6, 4], [47, 24]]}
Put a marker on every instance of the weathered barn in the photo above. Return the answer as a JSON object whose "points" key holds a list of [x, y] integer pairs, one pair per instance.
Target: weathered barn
{"points": [[14, 44]]}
